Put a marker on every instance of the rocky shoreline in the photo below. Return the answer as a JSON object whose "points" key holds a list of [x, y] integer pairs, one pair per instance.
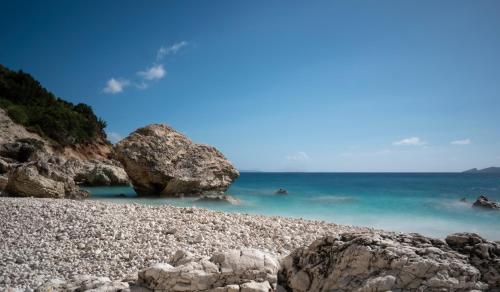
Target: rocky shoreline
{"points": [[42, 239], [82, 245]]}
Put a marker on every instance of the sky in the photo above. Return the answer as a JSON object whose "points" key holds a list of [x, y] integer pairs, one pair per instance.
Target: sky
{"points": [[363, 86]]}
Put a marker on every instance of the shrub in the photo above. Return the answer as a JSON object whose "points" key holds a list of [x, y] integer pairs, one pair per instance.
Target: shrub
{"points": [[31, 105], [17, 114]]}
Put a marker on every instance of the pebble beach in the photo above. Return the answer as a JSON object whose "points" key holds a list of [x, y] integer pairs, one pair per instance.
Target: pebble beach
{"points": [[42, 239]]}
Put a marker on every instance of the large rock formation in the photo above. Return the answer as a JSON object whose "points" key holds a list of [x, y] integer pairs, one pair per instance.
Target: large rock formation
{"points": [[96, 172], [482, 254], [42, 179], [88, 164], [379, 262], [159, 160], [247, 269], [485, 203]]}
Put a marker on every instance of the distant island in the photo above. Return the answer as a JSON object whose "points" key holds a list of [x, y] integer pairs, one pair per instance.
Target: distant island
{"points": [[484, 170]]}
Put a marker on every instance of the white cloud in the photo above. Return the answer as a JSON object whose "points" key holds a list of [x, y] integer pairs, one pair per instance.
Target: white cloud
{"points": [[114, 86], [173, 49], [114, 137], [412, 141], [299, 156], [461, 142], [155, 72]]}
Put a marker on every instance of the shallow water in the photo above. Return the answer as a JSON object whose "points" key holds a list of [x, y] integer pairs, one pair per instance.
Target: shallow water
{"points": [[426, 203]]}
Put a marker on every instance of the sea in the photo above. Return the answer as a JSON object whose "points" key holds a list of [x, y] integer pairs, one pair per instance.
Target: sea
{"points": [[426, 203]]}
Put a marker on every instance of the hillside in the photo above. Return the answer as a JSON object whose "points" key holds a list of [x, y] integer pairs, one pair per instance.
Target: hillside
{"points": [[28, 103], [484, 170], [48, 145]]}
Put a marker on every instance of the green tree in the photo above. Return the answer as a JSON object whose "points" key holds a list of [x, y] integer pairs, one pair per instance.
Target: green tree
{"points": [[28, 103]]}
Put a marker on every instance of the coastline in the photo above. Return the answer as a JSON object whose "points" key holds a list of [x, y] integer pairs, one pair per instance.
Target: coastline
{"points": [[44, 239]]}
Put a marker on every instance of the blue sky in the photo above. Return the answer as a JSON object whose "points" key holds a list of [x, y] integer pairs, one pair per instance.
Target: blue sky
{"points": [[279, 85]]}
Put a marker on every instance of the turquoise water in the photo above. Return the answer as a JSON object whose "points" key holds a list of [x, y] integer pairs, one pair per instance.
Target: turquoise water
{"points": [[419, 202]]}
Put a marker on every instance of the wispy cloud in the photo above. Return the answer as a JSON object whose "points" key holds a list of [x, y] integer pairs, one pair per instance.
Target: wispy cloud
{"points": [[173, 49], [461, 142], [114, 137], [412, 141], [299, 156], [154, 72], [114, 86]]}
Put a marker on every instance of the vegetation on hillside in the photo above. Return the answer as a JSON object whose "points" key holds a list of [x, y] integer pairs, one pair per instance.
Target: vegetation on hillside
{"points": [[31, 105]]}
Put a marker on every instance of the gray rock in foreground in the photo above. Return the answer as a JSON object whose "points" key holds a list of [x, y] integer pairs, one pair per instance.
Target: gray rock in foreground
{"points": [[348, 262], [248, 270], [159, 160], [482, 254], [379, 262], [231, 270]]}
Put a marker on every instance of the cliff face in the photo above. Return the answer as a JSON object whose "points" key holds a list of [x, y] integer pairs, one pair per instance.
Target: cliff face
{"points": [[10, 132], [27, 159]]}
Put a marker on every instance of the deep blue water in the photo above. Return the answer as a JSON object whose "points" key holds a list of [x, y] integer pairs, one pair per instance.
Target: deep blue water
{"points": [[428, 203]]}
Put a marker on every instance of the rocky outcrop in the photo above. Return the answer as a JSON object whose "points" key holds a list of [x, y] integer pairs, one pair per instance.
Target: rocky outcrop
{"points": [[379, 262], [364, 261], [3, 182], [482, 254], [97, 173], [42, 179], [22, 150], [485, 203], [159, 160], [26, 157], [10, 131], [247, 269]]}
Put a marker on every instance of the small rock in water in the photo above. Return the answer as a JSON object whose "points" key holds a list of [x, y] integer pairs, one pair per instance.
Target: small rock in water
{"points": [[485, 203], [282, 192]]}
